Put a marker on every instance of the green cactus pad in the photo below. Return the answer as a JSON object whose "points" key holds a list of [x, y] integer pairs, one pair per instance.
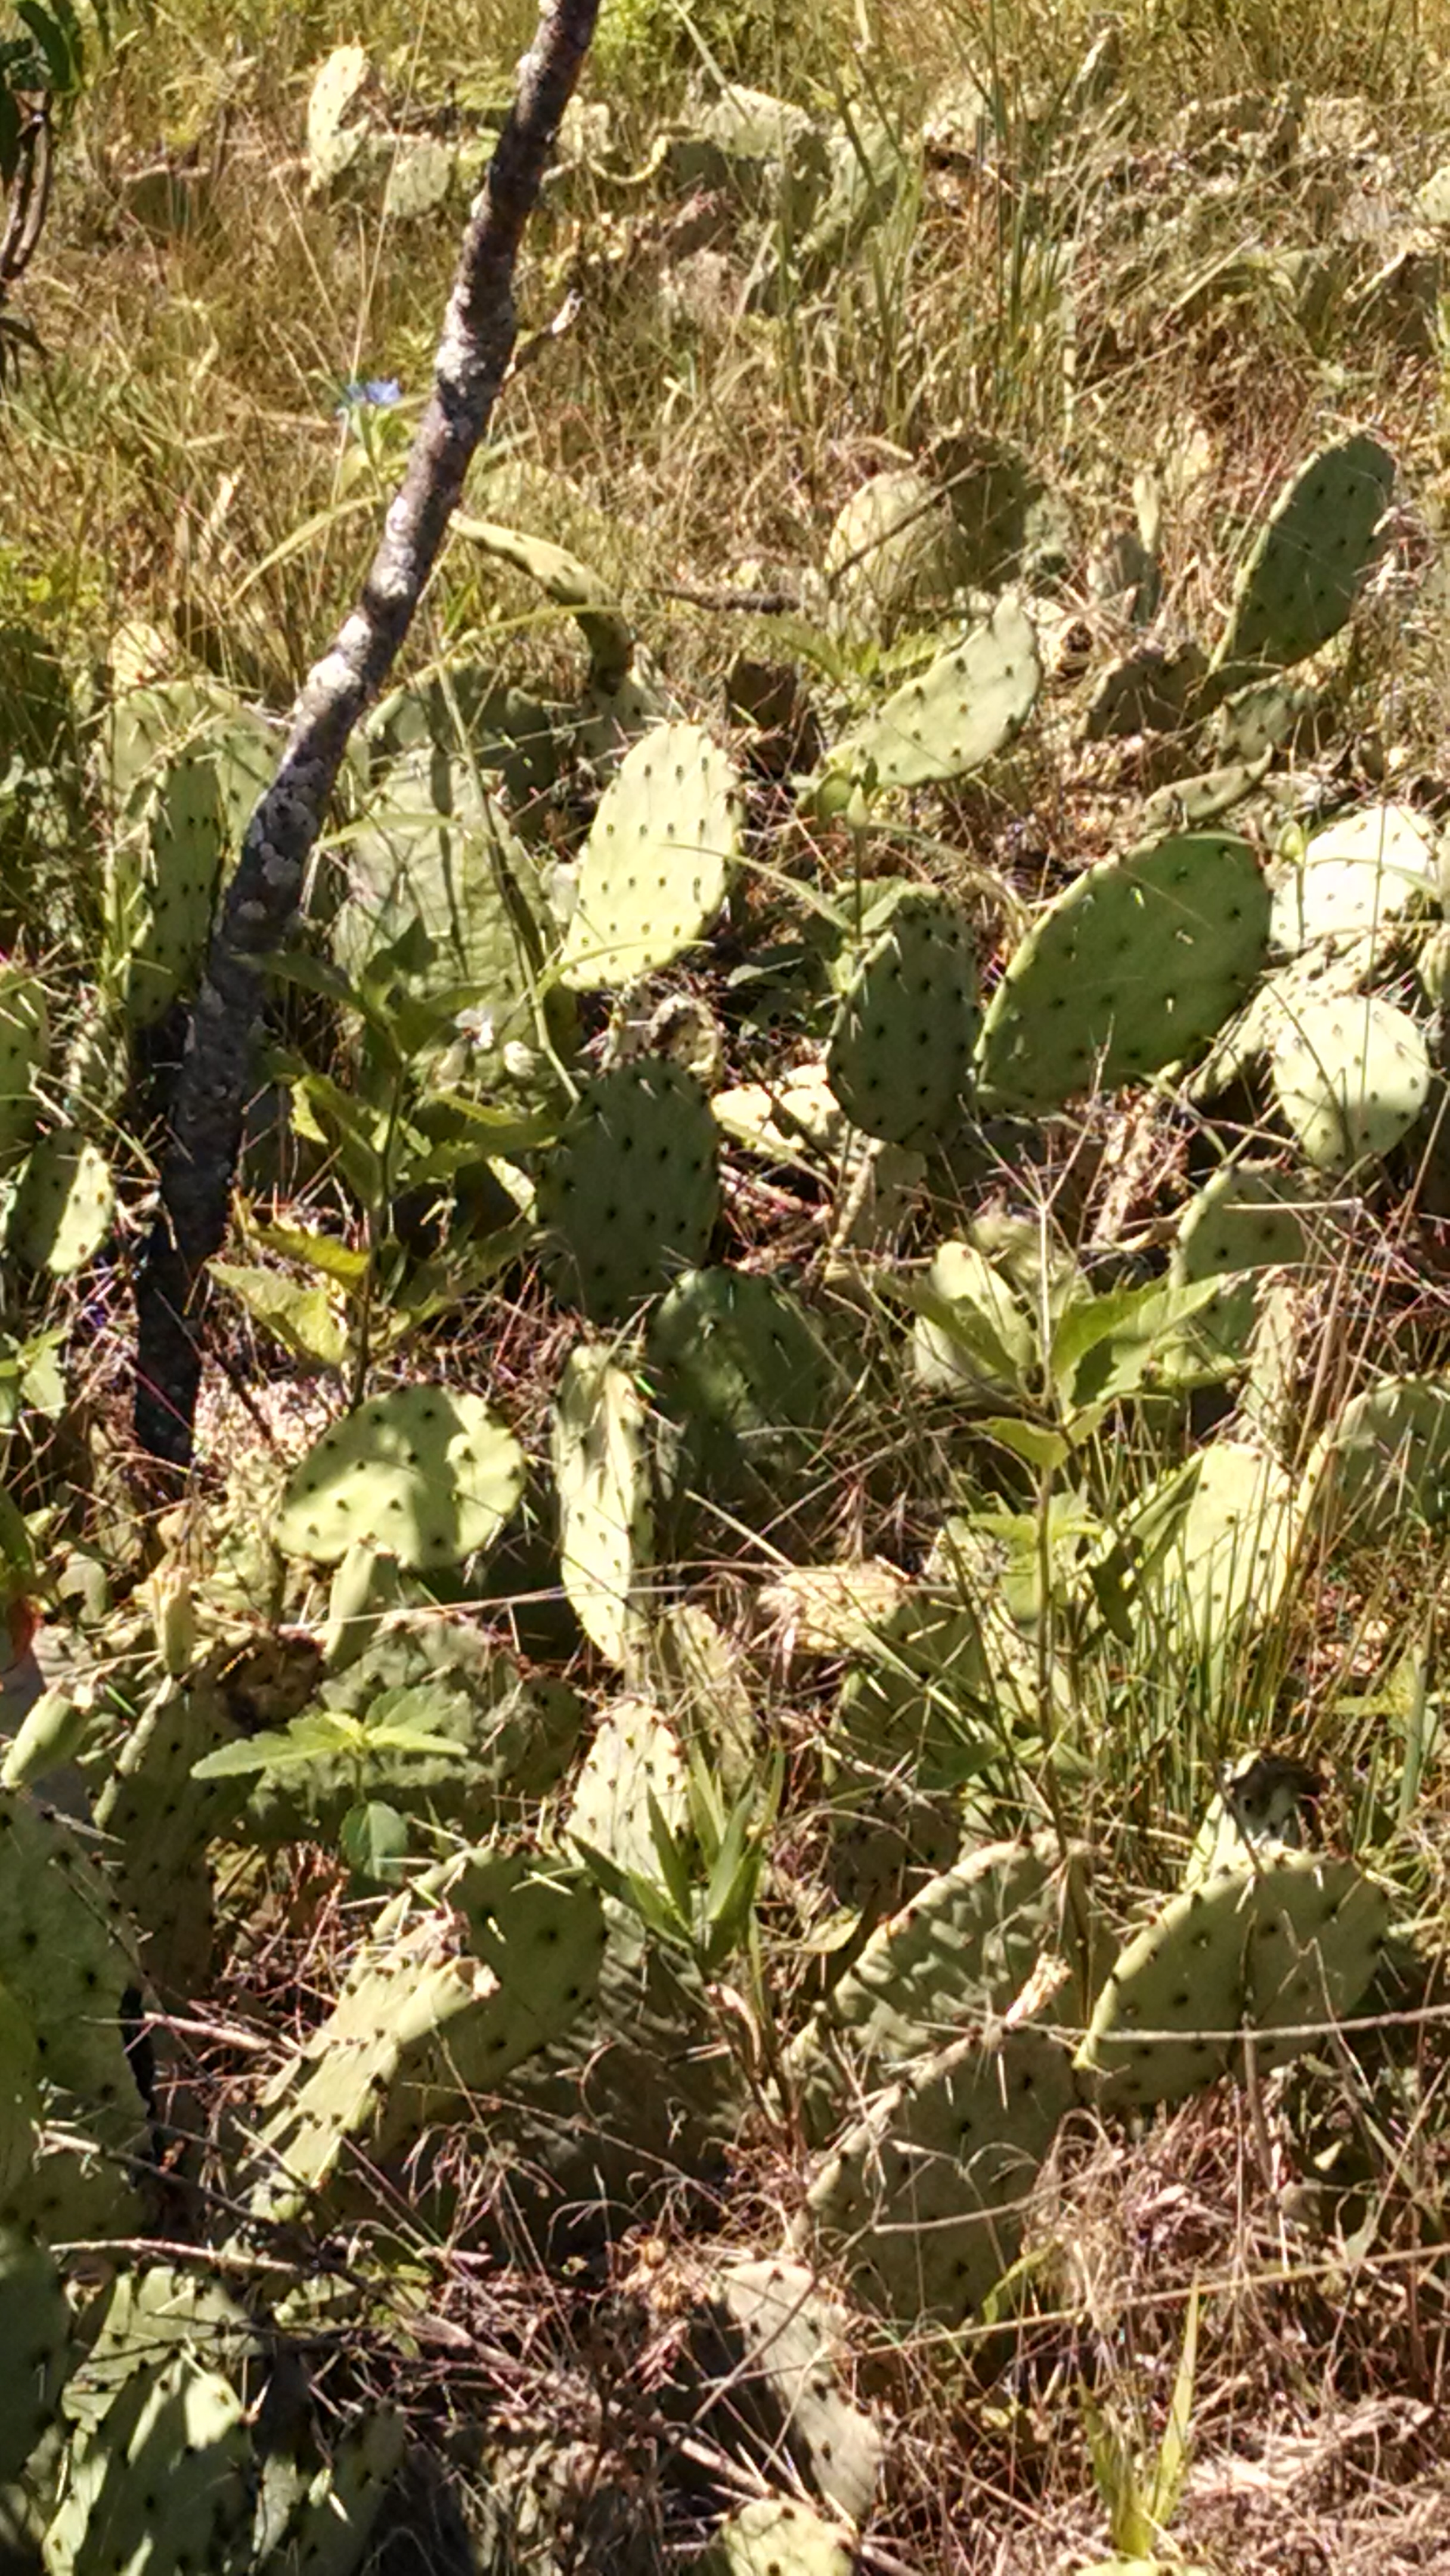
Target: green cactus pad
{"points": [[335, 126], [635, 1756], [330, 2534], [1249, 1218], [421, 172], [961, 1951], [913, 1724], [900, 1058], [570, 584], [631, 1191], [1134, 966], [742, 1365], [968, 706], [24, 1048], [1351, 1077], [426, 1473], [163, 2481], [1360, 873], [1279, 1947], [895, 551], [64, 1959], [164, 879], [35, 2347], [1224, 1574], [777, 2345], [657, 863], [601, 1476], [1299, 584], [1383, 1462], [923, 2203], [772, 2539], [64, 1206], [159, 1821]]}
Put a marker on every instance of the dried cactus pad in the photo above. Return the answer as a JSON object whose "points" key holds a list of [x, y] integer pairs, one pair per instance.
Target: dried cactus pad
{"points": [[425, 1473], [657, 861], [1134, 966], [631, 1191], [1299, 584], [901, 1054]]}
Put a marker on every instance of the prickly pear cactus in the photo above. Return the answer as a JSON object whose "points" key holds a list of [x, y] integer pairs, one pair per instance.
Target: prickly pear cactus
{"points": [[1133, 966], [773, 2539], [329, 2533], [426, 1473], [1383, 1462], [570, 584], [635, 1756], [630, 1193], [64, 1206], [159, 1821], [657, 864], [1249, 1218], [923, 2202], [960, 1952], [900, 1059], [1361, 873], [24, 1048], [914, 1723], [1300, 582], [606, 1518], [1224, 1574], [1277, 1948], [970, 703], [162, 2481], [775, 2340], [1350, 1076], [742, 1367], [894, 551], [35, 2346], [163, 885]]}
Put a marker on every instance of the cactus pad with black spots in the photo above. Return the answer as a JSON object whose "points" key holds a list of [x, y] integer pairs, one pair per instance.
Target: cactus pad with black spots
{"points": [[1135, 965], [657, 863], [425, 1472], [630, 1193], [1300, 582], [1351, 1076], [900, 1059]]}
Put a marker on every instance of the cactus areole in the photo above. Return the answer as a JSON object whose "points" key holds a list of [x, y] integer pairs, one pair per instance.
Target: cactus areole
{"points": [[477, 342]]}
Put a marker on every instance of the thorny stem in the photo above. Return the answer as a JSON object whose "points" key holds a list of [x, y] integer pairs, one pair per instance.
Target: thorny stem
{"points": [[218, 1071]]}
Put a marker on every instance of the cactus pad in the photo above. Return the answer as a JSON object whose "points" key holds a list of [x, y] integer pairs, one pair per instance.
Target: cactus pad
{"points": [[1224, 1574], [1134, 966], [601, 1475], [1359, 873], [164, 879], [163, 2481], [771, 2539], [657, 862], [1351, 1077], [780, 2340], [1385, 1460], [24, 1043], [64, 1205], [923, 2202], [1248, 1218], [1299, 584], [970, 703], [901, 1054], [35, 2346], [631, 1191], [426, 1473], [635, 1756], [1284, 1945], [741, 1363]]}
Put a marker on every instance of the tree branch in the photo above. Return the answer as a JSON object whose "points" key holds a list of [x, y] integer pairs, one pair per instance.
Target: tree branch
{"points": [[218, 1069]]}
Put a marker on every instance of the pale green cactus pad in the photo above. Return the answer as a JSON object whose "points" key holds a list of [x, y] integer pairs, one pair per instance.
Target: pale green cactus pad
{"points": [[1383, 1462], [163, 2481], [35, 2346], [606, 1518], [426, 1473], [1224, 1574], [635, 1756], [64, 1206], [775, 2539], [1350, 1076], [781, 2341], [1135, 965], [631, 1191], [1249, 1218], [923, 2204], [900, 1060], [971, 702], [1358, 876], [658, 860], [24, 1046]]}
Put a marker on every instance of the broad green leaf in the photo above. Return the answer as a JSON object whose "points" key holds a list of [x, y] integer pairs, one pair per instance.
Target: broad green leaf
{"points": [[301, 1318]]}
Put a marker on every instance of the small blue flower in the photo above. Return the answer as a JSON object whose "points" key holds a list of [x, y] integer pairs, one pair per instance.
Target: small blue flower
{"points": [[370, 393]]}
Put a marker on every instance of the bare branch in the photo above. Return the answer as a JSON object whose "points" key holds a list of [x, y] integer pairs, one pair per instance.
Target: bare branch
{"points": [[474, 351]]}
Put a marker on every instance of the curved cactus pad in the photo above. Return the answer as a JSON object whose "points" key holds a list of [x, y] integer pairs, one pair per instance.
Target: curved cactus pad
{"points": [[924, 2200], [631, 1191], [773, 2539], [1384, 1461], [1351, 1076], [657, 861], [1134, 966], [1299, 584], [901, 1053], [966, 707], [426, 1473]]}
